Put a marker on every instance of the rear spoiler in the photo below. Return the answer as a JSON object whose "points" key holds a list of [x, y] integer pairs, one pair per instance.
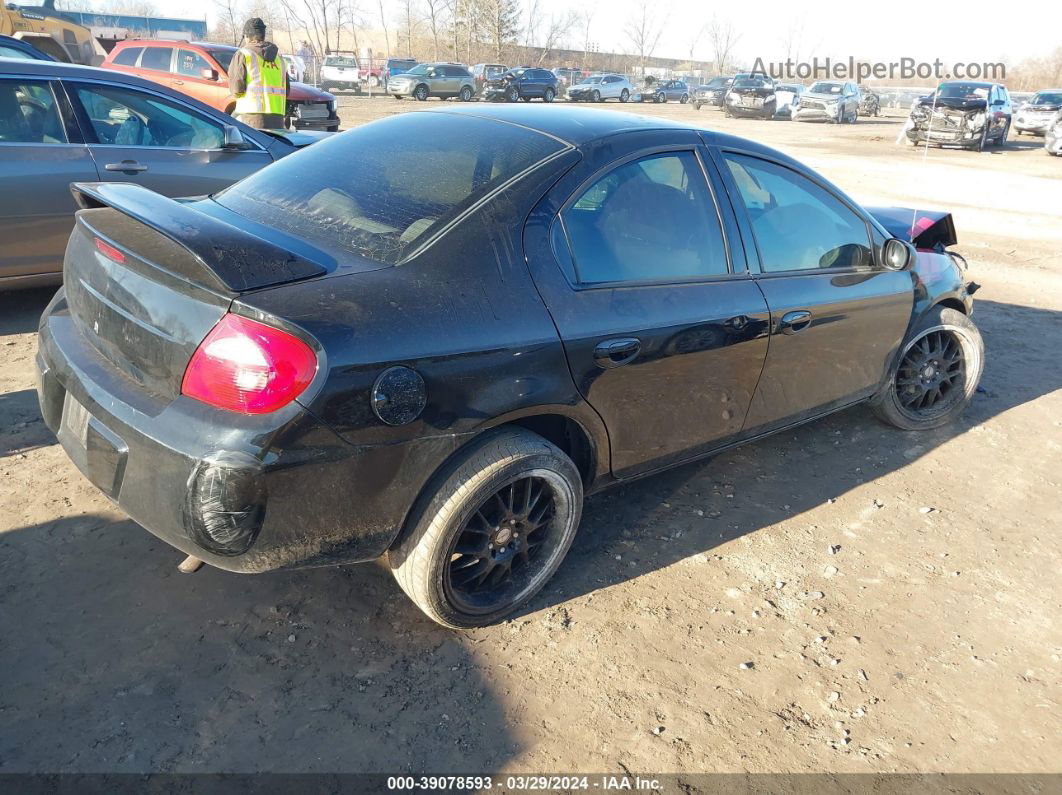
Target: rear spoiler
{"points": [[924, 228], [238, 259]]}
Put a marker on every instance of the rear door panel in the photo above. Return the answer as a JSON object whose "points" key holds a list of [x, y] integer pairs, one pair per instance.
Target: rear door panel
{"points": [[702, 343], [36, 208]]}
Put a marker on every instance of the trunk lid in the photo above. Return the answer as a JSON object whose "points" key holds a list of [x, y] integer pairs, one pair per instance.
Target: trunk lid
{"points": [[146, 278]]}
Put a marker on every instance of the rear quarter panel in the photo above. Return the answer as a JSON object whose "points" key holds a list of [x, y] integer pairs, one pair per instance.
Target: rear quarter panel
{"points": [[465, 315]]}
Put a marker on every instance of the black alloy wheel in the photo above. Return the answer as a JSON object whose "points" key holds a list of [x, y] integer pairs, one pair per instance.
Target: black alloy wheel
{"points": [[497, 552], [932, 375]]}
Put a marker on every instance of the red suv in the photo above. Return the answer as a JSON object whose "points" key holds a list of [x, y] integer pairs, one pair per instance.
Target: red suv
{"points": [[200, 70]]}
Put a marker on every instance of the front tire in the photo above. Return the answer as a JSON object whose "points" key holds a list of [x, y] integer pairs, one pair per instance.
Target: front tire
{"points": [[513, 94], [420, 93], [492, 531], [940, 367], [596, 96]]}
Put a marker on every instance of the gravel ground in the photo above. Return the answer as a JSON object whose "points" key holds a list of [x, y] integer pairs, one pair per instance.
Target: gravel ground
{"points": [[843, 597]]}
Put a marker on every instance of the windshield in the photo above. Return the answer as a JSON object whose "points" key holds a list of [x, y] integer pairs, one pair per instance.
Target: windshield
{"points": [[962, 91], [421, 69], [717, 82], [339, 60], [588, 80], [223, 57], [1048, 98], [403, 179], [750, 82], [826, 88]]}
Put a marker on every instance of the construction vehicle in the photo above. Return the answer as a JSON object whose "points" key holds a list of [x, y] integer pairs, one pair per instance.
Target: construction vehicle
{"points": [[57, 37]]}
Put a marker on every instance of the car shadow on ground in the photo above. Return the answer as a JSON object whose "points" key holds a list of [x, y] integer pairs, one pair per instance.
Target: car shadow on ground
{"points": [[115, 662]]}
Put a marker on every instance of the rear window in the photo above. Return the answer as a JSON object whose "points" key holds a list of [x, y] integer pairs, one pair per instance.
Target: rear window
{"points": [[402, 179]]}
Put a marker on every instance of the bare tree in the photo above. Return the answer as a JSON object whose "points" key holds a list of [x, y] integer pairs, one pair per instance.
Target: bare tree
{"points": [[532, 22], [556, 27], [695, 41], [408, 24], [792, 38], [724, 39], [436, 9], [585, 15], [383, 24], [643, 30], [229, 26], [500, 20]]}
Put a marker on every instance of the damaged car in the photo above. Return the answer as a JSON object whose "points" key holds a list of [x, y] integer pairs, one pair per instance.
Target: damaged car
{"points": [[713, 93], [431, 354], [971, 115], [1053, 135], [869, 102], [1035, 116], [751, 96], [829, 101]]}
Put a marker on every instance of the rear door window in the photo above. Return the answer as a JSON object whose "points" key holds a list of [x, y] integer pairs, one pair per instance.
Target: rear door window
{"points": [[393, 191], [652, 219], [157, 58]]}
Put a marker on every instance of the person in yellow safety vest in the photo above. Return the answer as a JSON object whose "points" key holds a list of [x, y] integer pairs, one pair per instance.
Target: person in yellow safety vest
{"points": [[258, 80]]}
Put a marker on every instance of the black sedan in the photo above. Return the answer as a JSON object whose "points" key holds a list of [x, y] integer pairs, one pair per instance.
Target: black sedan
{"points": [[431, 354]]}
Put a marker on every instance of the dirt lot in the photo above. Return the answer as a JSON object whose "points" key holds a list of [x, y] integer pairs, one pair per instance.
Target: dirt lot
{"points": [[898, 595]]}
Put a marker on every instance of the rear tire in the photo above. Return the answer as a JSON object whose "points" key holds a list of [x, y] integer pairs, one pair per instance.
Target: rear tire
{"points": [[466, 94], [927, 368], [625, 95], [684, 99], [463, 561], [549, 95]]}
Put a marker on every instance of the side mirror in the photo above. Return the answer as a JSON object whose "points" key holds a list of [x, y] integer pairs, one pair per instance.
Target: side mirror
{"points": [[897, 255], [234, 138], [208, 74]]}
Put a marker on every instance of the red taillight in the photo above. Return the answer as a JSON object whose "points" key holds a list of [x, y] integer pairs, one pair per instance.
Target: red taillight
{"points": [[247, 366], [110, 252]]}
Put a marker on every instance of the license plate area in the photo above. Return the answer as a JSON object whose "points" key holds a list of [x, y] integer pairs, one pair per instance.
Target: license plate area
{"points": [[94, 448]]}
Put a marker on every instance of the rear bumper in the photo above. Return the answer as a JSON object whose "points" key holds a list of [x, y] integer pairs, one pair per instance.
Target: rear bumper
{"points": [[246, 494]]}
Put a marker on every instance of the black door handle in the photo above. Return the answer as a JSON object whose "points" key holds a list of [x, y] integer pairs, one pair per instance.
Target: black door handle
{"points": [[792, 322], [617, 352]]}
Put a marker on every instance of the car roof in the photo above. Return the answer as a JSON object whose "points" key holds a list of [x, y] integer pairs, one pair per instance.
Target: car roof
{"points": [[578, 126]]}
